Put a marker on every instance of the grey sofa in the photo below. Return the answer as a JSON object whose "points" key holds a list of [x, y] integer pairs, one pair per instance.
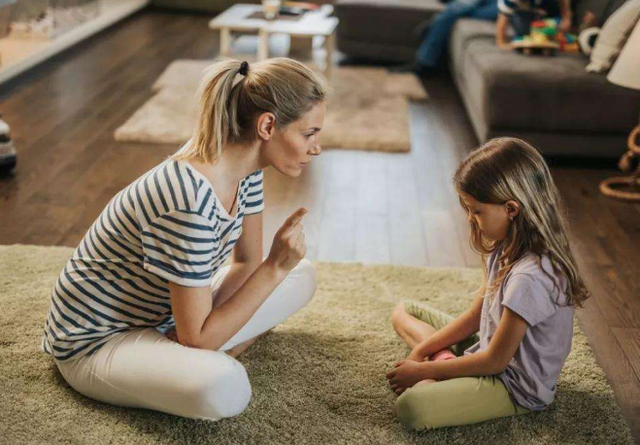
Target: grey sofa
{"points": [[209, 6], [551, 102], [382, 29]]}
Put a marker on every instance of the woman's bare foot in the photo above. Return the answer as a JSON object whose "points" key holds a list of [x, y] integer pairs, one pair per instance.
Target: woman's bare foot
{"points": [[239, 349]]}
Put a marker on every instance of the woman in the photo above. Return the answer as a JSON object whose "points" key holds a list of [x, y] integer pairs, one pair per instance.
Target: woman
{"points": [[150, 264]]}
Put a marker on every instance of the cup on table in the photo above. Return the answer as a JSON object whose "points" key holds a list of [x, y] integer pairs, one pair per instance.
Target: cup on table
{"points": [[271, 8]]}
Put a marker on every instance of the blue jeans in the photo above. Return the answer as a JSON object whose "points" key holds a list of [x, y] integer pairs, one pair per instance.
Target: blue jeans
{"points": [[437, 38]]}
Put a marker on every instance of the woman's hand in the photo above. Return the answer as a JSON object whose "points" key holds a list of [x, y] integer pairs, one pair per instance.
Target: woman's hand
{"points": [[406, 374], [289, 245]]}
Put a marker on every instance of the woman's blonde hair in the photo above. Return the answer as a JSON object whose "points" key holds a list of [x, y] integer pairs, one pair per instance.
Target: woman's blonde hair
{"points": [[233, 94], [506, 169]]}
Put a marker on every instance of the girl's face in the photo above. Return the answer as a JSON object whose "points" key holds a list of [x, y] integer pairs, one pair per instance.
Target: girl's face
{"points": [[493, 220], [291, 148]]}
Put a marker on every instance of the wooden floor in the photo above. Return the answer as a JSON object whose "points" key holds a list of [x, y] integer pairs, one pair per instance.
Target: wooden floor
{"points": [[368, 207]]}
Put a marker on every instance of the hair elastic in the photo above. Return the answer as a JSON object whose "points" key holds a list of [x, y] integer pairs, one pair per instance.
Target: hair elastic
{"points": [[244, 68]]}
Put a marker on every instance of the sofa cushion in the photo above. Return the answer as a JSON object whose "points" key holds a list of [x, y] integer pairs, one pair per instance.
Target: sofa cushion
{"points": [[555, 94], [465, 31], [415, 5], [388, 23], [613, 36]]}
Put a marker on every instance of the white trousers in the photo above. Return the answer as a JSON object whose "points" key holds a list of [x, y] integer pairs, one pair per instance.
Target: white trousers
{"points": [[142, 368]]}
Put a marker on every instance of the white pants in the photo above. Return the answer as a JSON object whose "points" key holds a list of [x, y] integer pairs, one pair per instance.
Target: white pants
{"points": [[142, 368]]}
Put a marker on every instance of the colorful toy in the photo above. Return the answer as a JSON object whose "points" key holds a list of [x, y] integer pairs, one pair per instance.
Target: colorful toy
{"points": [[545, 39]]}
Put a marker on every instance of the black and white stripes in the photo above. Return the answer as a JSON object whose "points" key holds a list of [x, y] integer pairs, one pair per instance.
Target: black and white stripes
{"points": [[510, 7], [168, 225]]}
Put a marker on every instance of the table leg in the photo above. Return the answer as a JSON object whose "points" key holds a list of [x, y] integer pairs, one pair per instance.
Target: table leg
{"points": [[225, 42], [263, 45], [301, 48], [329, 44]]}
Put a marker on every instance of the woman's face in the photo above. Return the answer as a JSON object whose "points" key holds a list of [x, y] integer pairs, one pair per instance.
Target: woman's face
{"points": [[492, 219], [291, 148]]}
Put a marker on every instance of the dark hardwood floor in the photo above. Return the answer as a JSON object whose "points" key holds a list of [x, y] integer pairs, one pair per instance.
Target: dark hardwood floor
{"points": [[369, 207]]}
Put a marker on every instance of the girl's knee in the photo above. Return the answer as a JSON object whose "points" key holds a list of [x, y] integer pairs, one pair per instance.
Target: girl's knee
{"points": [[399, 316], [412, 411], [398, 313]]}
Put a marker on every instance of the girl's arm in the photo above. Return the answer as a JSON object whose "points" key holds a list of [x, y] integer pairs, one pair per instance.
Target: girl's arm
{"points": [[493, 360], [200, 325], [501, 31], [246, 257], [565, 12], [459, 329]]}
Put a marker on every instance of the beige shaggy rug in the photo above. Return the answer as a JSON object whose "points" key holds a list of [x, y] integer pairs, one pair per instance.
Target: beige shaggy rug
{"points": [[368, 109], [317, 379]]}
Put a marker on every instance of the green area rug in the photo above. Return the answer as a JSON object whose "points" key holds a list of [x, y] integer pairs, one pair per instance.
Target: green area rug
{"points": [[317, 379]]}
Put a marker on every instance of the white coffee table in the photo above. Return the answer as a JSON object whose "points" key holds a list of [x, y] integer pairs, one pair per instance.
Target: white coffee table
{"points": [[237, 19]]}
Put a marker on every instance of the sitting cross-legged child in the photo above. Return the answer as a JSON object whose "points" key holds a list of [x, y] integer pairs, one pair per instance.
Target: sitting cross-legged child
{"points": [[502, 356]]}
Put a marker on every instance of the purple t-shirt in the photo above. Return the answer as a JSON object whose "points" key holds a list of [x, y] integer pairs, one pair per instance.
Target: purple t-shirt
{"points": [[531, 375]]}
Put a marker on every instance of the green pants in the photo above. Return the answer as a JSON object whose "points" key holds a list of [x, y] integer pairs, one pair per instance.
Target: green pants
{"points": [[460, 401]]}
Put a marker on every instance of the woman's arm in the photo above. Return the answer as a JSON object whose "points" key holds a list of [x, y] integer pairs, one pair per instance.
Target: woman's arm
{"points": [[459, 329], [200, 325], [246, 258], [493, 360]]}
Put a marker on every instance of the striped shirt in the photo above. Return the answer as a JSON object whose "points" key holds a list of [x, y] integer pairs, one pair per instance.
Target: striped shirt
{"points": [[168, 225]]}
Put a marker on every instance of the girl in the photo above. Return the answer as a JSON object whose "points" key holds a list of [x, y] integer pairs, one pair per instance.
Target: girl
{"points": [[151, 263], [523, 313]]}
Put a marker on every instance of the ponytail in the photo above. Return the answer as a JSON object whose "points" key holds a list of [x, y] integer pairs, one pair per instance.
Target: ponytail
{"points": [[233, 94]]}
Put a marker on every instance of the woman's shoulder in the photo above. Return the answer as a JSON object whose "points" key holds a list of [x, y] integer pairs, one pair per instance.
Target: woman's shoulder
{"points": [[255, 179], [175, 187]]}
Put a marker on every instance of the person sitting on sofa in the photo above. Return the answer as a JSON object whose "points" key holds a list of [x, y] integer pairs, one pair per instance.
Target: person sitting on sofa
{"points": [[520, 13], [432, 48]]}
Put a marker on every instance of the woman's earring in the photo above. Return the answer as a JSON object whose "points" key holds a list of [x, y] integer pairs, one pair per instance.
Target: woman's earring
{"points": [[511, 218]]}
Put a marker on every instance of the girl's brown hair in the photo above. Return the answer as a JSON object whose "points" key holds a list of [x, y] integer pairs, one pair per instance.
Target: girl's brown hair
{"points": [[231, 100], [507, 169]]}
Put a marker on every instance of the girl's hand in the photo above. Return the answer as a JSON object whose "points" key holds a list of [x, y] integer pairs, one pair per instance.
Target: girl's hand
{"points": [[289, 245], [565, 24], [503, 45], [415, 356], [406, 374]]}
